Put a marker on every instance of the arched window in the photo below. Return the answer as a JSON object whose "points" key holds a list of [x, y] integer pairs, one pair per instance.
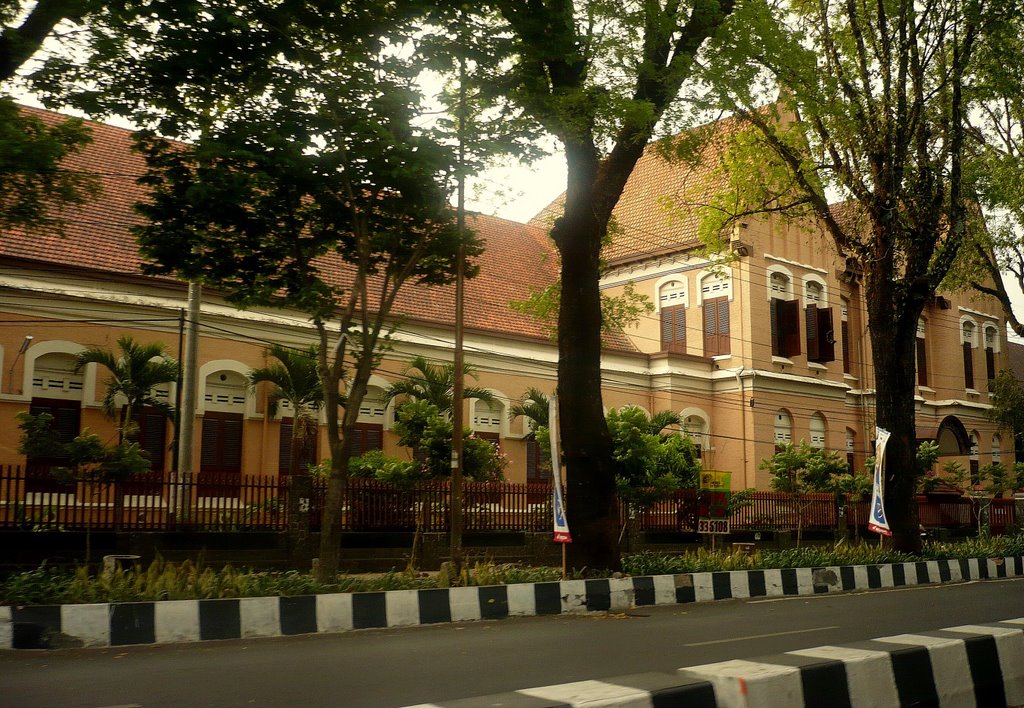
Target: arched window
{"points": [[487, 419], [54, 376], [672, 293], [991, 349], [814, 293], [818, 317], [56, 390], [672, 303], [715, 294], [715, 285], [221, 449], [780, 285], [783, 429], [369, 428], [969, 341], [818, 431], [972, 455], [696, 428]]}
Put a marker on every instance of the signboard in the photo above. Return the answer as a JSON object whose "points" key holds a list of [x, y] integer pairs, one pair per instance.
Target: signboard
{"points": [[561, 523], [713, 509], [877, 521]]}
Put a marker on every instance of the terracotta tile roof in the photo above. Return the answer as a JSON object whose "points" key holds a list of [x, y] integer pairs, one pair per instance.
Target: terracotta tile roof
{"points": [[659, 210], [517, 260], [98, 235]]}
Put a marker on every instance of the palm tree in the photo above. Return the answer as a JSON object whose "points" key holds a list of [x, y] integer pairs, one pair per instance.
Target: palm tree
{"points": [[435, 384], [661, 420], [535, 406], [295, 379], [135, 370]]}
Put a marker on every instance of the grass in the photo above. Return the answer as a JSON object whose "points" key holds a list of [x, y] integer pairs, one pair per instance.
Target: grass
{"points": [[164, 580]]}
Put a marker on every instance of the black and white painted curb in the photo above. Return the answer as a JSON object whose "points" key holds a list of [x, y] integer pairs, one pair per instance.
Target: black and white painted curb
{"points": [[971, 665], [123, 623]]}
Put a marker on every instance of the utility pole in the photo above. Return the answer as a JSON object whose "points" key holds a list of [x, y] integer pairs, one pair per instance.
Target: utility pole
{"points": [[455, 533], [187, 412]]}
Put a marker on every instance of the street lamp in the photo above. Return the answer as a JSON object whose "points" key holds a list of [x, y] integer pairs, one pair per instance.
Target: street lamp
{"points": [[21, 350]]}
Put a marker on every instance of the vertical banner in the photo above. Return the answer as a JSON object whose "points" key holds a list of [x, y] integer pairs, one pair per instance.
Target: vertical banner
{"points": [[561, 523], [877, 521]]}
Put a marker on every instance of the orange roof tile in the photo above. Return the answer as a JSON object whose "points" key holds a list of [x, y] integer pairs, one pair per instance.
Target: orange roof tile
{"points": [[659, 210], [518, 258]]}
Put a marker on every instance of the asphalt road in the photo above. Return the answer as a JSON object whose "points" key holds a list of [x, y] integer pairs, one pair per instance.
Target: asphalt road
{"points": [[395, 667]]}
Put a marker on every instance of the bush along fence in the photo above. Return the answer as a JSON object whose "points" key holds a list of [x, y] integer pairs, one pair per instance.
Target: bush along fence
{"points": [[218, 502]]}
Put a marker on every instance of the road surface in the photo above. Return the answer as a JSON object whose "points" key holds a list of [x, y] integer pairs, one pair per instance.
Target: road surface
{"points": [[395, 667]]}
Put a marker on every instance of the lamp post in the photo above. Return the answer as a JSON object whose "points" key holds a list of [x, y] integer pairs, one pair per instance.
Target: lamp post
{"points": [[10, 372]]}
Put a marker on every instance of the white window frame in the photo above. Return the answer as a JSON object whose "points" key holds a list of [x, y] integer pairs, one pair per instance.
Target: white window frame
{"points": [[783, 435], [674, 285], [714, 285], [965, 322], [817, 281], [818, 436], [780, 294]]}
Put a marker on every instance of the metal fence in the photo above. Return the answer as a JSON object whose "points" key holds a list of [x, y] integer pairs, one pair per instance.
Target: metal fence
{"points": [[222, 502]]}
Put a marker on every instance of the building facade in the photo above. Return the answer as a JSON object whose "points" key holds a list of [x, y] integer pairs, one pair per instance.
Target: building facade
{"points": [[767, 347]]}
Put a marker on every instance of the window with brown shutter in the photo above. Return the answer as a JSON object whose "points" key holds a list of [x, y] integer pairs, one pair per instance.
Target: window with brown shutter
{"points": [[673, 329], [367, 437], [717, 340], [785, 324], [536, 470], [821, 339], [990, 363], [846, 346], [152, 436], [493, 438], [968, 366], [922, 362], [221, 443], [66, 422]]}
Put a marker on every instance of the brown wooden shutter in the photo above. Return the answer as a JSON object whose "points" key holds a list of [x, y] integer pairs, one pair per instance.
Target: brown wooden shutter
{"points": [[716, 327], [776, 339], [152, 437], [845, 327], [367, 437], [826, 336], [673, 329], [968, 366], [284, 449], [922, 362], [789, 327], [724, 336], [221, 443], [811, 322], [990, 363]]}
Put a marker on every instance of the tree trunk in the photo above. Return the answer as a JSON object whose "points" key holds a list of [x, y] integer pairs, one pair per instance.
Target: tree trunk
{"points": [[892, 317], [293, 461], [586, 443], [340, 440]]}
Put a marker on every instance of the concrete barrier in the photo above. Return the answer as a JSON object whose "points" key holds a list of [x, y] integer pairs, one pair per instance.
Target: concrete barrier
{"points": [[125, 623], [972, 665]]}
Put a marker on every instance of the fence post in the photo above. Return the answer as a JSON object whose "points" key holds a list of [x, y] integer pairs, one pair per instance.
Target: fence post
{"points": [[300, 542]]}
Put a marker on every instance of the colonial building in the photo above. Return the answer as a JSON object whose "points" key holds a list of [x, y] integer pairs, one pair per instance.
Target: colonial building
{"points": [[766, 348]]}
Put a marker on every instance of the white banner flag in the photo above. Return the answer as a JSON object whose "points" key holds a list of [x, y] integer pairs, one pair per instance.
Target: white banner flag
{"points": [[877, 521], [561, 522]]}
